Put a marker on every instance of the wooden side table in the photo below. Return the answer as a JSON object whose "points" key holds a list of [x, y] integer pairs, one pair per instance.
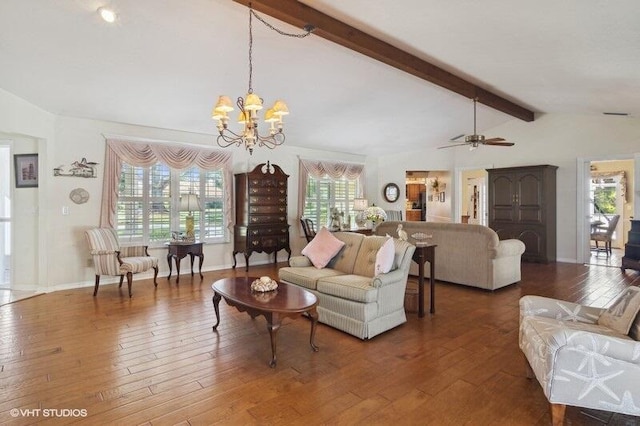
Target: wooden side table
{"points": [[178, 250], [425, 253]]}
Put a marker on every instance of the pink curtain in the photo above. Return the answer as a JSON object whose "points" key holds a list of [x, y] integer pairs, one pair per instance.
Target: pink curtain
{"points": [[143, 154], [320, 169]]}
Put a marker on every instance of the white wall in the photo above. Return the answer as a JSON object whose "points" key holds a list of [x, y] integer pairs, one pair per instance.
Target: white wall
{"points": [[53, 251], [68, 258], [557, 139]]}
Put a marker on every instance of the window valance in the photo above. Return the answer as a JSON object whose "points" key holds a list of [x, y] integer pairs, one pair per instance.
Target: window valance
{"points": [[319, 169], [146, 154], [622, 180]]}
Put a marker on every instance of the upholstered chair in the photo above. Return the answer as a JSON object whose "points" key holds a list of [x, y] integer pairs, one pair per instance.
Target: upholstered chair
{"points": [[605, 234], [584, 356], [111, 259]]}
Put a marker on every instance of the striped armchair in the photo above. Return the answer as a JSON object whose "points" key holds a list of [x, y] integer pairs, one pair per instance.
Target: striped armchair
{"points": [[111, 259]]}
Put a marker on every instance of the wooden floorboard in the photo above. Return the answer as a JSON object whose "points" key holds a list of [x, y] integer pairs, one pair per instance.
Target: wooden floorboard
{"points": [[154, 359]]}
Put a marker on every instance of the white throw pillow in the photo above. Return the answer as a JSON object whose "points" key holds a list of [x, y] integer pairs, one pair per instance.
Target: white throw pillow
{"points": [[322, 248], [621, 314], [385, 256]]}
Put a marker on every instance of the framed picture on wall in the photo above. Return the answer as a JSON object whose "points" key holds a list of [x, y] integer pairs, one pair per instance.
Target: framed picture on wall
{"points": [[26, 167]]}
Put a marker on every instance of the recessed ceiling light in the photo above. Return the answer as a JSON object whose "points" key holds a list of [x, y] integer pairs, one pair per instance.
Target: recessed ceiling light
{"points": [[107, 14]]}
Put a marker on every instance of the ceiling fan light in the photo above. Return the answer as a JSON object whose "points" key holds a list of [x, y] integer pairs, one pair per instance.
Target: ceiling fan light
{"points": [[252, 102], [224, 104]]}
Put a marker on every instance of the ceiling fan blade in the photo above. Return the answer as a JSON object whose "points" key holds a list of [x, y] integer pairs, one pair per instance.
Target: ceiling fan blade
{"points": [[494, 140], [497, 143], [451, 146]]}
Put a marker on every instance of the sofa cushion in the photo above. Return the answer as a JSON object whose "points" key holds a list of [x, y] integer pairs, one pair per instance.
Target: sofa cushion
{"points": [[623, 311], [366, 259], [305, 276], [346, 258], [351, 287], [322, 248], [385, 257]]}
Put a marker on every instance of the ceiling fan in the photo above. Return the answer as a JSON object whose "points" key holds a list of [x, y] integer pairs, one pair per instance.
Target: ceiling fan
{"points": [[475, 139]]}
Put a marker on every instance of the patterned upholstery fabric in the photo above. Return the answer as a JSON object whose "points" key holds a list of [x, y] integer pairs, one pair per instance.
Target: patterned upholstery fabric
{"points": [[350, 298], [111, 259], [577, 361], [466, 254]]}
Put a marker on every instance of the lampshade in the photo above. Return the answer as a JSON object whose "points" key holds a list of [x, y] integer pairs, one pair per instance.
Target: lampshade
{"points": [[224, 104], [269, 116], [360, 204], [280, 108], [252, 102], [189, 203], [218, 114]]}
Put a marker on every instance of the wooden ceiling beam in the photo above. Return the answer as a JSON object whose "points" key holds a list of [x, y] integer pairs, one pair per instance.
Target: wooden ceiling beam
{"points": [[299, 15]]}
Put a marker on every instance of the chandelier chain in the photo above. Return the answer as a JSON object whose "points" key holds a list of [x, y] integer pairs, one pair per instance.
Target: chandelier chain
{"points": [[308, 28], [250, 50]]}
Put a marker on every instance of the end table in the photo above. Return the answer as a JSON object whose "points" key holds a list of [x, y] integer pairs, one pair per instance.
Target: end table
{"points": [[178, 250]]}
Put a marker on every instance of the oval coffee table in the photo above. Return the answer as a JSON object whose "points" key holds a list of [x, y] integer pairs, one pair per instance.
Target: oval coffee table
{"points": [[287, 301]]}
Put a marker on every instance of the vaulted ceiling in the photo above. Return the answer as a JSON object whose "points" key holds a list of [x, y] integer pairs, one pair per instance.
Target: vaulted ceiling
{"points": [[164, 63]]}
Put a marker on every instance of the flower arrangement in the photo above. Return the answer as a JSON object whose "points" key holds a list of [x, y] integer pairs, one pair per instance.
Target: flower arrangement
{"points": [[375, 214]]}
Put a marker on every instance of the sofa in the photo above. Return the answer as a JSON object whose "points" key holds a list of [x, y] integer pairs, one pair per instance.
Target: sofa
{"points": [[351, 297], [466, 254]]}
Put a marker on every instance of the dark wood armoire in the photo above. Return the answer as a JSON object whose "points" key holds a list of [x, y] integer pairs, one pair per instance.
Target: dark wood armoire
{"points": [[522, 205], [261, 212]]}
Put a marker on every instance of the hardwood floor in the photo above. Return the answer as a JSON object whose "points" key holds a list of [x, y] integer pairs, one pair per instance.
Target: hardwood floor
{"points": [[154, 359]]}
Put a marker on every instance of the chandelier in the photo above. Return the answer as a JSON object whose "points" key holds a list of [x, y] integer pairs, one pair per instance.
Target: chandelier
{"points": [[250, 105]]}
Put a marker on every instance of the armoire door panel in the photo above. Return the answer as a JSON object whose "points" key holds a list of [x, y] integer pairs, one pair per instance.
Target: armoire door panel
{"points": [[503, 190], [533, 241], [529, 190], [531, 215]]}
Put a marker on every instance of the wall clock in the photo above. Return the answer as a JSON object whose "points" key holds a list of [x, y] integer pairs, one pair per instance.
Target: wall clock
{"points": [[391, 192]]}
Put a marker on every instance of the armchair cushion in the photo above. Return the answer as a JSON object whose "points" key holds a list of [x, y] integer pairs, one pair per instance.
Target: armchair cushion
{"points": [[322, 248], [623, 311]]}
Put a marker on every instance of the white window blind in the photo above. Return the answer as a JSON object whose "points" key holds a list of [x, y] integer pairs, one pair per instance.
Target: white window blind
{"points": [[324, 193], [149, 198]]}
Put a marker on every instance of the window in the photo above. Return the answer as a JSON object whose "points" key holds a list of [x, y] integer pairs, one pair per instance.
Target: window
{"points": [[324, 193], [149, 197]]}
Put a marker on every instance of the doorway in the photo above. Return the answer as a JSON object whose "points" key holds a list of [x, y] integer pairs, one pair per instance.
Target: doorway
{"points": [[631, 203], [610, 202], [5, 214]]}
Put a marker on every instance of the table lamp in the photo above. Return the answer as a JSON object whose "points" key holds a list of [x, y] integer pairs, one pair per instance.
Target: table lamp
{"points": [[189, 203], [360, 205]]}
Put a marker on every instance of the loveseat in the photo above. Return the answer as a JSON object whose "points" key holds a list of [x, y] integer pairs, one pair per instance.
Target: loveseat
{"points": [[351, 297], [466, 254]]}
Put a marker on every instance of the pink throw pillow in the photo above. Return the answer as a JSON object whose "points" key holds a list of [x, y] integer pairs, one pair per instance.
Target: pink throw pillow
{"points": [[385, 256], [322, 248]]}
